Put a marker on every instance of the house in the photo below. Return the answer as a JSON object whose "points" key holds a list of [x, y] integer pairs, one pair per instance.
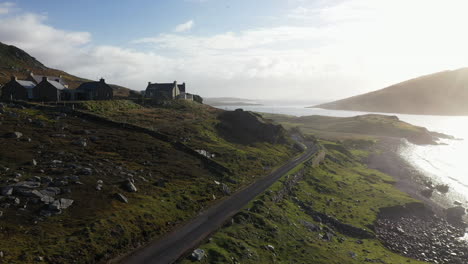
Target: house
{"points": [[38, 78], [163, 90], [17, 89], [93, 91], [49, 90]]}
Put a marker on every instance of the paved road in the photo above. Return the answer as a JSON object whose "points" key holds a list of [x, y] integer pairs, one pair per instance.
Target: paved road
{"points": [[175, 244]]}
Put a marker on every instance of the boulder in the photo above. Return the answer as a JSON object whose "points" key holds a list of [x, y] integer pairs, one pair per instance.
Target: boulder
{"points": [[455, 214], [60, 204], [198, 254], [121, 198], [27, 185], [129, 186]]}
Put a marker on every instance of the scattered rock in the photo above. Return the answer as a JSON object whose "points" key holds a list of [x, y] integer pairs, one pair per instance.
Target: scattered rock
{"points": [[34, 162], [27, 185], [80, 142], [7, 191], [310, 226], [198, 254], [1, 214], [121, 197], [129, 186], [226, 189], [15, 135]]}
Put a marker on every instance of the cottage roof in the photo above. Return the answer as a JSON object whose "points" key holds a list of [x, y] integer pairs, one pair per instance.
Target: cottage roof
{"points": [[26, 84], [164, 87], [90, 86], [56, 84], [39, 78]]}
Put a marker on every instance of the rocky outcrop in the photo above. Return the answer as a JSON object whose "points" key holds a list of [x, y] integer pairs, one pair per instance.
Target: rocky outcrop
{"points": [[247, 127]]}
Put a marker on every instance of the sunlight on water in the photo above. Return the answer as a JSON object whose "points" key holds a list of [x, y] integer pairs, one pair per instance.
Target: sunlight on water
{"points": [[447, 164]]}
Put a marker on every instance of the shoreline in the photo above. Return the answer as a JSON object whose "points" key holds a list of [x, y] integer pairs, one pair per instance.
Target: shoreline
{"points": [[427, 231], [408, 178]]}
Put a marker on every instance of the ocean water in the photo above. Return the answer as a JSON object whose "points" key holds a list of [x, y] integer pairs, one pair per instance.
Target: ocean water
{"points": [[445, 164]]}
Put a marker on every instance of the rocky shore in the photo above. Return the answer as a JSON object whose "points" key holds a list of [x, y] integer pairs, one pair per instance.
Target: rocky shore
{"points": [[427, 231]]}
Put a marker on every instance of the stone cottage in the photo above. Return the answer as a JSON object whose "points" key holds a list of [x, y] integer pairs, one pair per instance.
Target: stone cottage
{"points": [[93, 91], [49, 90], [17, 90], [163, 91]]}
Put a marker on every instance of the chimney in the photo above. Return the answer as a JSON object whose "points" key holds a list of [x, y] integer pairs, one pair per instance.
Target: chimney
{"points": [[57, 80], [175, 82], [149, 83], [102, 80], [44, 79], [13, 78]]}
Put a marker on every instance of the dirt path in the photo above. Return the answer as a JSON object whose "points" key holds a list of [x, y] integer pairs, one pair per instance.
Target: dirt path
{"points": [[174, 245]]}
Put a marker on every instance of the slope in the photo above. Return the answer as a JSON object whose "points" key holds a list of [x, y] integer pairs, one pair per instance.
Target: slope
{"points": [[443, 93]]}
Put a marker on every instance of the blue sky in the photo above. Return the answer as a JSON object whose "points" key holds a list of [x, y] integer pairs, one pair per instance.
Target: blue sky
{"points": [[121, 21], [307, 50]]}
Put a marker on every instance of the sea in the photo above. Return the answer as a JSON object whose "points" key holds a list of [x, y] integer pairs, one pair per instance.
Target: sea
{"points": [[446, 163]]}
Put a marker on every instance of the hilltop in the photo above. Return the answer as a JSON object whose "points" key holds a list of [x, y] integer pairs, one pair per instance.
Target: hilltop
{"points": [[15, 61], [442, 93]]}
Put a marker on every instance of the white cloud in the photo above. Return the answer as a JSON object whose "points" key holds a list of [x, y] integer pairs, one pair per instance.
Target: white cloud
{"points": [[6, 7], [352, 46], [185, 26]]}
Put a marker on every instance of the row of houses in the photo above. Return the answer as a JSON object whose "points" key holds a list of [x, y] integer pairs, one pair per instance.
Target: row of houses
{"points": [[53, 89]]}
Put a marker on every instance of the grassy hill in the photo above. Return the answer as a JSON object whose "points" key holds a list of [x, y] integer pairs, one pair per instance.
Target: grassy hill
{"points": [[369, 126], [90, 156], [14, 61], [443, 93]]}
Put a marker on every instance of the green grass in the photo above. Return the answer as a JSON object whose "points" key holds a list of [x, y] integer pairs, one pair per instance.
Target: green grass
{"points": [[364, 127], [357, 193], [97, 227]]}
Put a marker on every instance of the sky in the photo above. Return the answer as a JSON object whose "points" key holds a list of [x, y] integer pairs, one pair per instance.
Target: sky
{"points": [[304, 50]]}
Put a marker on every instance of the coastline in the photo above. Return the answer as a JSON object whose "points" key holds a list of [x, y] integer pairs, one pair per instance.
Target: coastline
{"points": [[408, 178]]}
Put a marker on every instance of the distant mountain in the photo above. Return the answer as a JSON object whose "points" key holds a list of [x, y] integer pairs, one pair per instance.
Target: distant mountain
{"points": [[443, 93], [15, 61]]}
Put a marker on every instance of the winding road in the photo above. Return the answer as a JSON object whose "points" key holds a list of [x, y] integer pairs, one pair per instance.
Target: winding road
{"points": [[171, 247]]}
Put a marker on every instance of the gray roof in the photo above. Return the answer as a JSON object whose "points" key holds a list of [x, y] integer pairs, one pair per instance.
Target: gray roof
{"points": [[57, 85], [92, 86], [38, 78], [166, 87], [26, 84]]}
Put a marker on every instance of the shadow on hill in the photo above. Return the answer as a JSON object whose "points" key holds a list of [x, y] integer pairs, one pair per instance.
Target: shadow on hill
{"points": [[247, 128]]}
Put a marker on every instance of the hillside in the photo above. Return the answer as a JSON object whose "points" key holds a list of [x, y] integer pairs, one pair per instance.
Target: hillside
{"points": [[91, 184], [443, 93], [15, 61]]}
